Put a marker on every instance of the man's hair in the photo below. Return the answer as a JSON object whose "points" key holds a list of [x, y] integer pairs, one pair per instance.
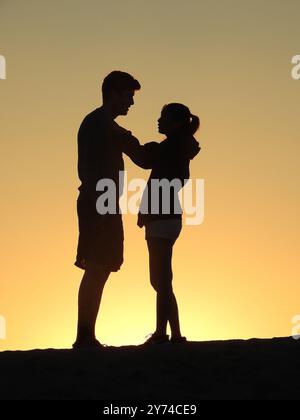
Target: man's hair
{"points": [[118, 81]]}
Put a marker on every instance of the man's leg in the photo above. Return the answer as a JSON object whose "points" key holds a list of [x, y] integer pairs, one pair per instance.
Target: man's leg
{"points": [[89, 299]]}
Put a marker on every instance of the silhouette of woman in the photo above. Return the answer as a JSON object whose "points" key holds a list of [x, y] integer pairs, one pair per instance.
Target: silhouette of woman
{"points": [[169, 160]]}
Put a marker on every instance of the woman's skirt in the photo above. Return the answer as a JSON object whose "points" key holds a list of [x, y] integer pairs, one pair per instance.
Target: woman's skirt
{"points": [[166, 229]]}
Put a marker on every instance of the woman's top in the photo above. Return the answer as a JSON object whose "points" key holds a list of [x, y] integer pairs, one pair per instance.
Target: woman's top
{"points": [[169, 161]]}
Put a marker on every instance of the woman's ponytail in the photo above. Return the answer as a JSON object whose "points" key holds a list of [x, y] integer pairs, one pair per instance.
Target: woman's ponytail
{"points": [[180, 113], [195, 123]]}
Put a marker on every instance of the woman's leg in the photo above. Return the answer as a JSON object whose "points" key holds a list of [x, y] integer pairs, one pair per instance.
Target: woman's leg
{"points": [[174, 318], [160, 261]]}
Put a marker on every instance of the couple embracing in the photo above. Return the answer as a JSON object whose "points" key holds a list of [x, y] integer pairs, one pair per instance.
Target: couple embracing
{"points": [[101, 144]]}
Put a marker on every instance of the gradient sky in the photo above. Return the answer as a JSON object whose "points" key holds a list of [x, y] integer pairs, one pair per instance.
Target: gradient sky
{"points": [[236, 275]]}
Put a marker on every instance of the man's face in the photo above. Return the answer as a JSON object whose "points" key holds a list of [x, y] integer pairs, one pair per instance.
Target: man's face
{"points": [[123, 101]]}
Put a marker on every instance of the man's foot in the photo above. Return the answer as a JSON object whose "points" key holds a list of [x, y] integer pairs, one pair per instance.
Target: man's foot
{"points": [[178, 340], [157, 339], [87, 344]]}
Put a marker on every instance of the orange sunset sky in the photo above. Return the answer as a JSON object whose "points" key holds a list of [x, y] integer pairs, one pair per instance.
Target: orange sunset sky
{"points": [[237, 274]]}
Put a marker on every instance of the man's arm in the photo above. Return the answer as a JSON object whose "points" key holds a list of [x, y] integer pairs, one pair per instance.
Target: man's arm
{"points": [[82, 151], [88, 158], [141, 155]]}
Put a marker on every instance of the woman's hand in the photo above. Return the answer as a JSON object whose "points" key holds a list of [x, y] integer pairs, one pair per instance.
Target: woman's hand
{"points": [[120, 130]]}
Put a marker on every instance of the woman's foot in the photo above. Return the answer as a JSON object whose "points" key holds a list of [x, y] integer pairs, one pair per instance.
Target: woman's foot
{"points": [[87, 344], [178, 340], [157, 339]]}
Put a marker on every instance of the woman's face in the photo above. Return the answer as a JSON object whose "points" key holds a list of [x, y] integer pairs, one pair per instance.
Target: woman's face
{"points": [[167, 125]]}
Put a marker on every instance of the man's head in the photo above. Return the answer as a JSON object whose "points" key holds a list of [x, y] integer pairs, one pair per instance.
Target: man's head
{"points": [[118, 89]]}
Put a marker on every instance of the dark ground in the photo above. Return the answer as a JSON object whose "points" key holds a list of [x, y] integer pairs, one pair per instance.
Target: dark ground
{"points": [[247, 370]]}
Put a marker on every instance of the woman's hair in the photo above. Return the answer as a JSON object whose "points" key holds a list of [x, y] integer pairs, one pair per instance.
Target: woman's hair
{"points": [[181, 113], [118, 81]]}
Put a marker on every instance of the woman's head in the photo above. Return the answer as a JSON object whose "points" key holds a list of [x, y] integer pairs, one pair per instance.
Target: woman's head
{"points": [[177, 119]]}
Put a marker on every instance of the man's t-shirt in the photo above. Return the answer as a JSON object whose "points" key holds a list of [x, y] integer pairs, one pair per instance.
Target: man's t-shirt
{"points": [[99, 153]]}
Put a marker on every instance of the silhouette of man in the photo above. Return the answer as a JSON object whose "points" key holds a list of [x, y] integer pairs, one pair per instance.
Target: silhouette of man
{"points": [[100, 243]]}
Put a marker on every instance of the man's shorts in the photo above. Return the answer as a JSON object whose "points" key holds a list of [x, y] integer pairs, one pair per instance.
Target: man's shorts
{"points": [[101, 237]]}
